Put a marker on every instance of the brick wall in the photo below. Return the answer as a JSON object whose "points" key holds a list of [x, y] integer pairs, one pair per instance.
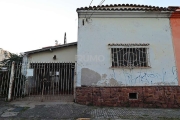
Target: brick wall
{"points": [[149, 96]]}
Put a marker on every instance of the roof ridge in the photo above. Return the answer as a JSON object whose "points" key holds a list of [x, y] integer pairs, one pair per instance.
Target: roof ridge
{"points": [[139, 7]]}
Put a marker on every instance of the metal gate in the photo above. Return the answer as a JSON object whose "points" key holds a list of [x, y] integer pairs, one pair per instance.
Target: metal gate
{"points": [[50, 81], [38, 81], [5, 72], [12, 81]]}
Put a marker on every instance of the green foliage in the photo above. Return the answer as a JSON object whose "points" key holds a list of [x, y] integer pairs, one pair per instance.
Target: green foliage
{"points": [[13, 57]]}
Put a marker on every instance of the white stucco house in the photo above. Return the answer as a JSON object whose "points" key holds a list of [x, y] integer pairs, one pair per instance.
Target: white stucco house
{"points": [[125, 45]]}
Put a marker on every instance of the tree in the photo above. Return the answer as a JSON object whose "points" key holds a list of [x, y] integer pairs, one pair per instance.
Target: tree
{"points": [[13, 57]]}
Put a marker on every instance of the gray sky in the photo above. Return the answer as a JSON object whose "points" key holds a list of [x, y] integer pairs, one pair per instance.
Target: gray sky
{"points": [[32, 24]]}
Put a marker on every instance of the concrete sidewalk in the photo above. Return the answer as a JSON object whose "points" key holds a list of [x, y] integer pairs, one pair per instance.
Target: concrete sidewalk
{"points": [[21, 110]]}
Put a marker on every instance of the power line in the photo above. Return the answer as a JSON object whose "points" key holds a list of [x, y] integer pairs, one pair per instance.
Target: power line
{"points": [[101, 2], [90, 3], [99, 7], [89, 6]]}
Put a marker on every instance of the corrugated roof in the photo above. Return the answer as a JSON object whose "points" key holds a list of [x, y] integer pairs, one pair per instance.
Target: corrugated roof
{"points": [[51, 48], [127, 7]]}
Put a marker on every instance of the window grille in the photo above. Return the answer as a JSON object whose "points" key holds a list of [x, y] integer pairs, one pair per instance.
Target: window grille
{"points": [[130, 55]]}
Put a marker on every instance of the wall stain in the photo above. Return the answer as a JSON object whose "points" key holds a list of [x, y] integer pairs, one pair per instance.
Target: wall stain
{"points": [[113, 82], [89, 77], [108, 81], [104, 76], [92, 78]]}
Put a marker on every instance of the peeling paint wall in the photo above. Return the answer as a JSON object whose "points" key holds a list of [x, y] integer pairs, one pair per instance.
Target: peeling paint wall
{"points": [[94, 56], [89, 76], [175, 26]]}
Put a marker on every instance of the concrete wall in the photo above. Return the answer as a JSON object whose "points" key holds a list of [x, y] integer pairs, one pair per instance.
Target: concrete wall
{"points": [[94, 37], [65, 54], [175, 26]]}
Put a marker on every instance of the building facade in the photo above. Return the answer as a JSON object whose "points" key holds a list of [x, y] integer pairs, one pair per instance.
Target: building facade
{"points": [[126, 52], [50, 72], [130, 48]]}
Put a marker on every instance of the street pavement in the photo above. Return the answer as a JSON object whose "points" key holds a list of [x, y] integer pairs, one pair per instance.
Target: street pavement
{"points": [[28, 110]]}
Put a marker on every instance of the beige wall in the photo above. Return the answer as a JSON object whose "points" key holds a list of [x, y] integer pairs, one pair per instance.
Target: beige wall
{"points": [[65, 54]]}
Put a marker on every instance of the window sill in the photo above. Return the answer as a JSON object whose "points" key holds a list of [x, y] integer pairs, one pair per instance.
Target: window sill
{"points": [[113, 67]]}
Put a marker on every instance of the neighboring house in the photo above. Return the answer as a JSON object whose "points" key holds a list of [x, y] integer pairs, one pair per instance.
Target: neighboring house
{"points": [[123, 46], [175, 30], [50, 70], [58, 53]]}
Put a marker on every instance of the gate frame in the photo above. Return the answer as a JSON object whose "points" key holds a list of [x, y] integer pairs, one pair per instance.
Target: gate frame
{"points": [[11, 81]]}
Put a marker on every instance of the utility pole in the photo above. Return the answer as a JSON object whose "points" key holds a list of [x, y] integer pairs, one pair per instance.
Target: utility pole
{"points": [[65, 38]]}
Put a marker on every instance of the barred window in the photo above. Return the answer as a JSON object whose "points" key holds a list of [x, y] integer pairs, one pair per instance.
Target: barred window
{"points": [[130, 55]]}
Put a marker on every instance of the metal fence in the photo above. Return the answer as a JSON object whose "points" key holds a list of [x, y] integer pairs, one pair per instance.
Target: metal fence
{"points": [[38, 81], [5, 74], [51, 81], [18, 82]]}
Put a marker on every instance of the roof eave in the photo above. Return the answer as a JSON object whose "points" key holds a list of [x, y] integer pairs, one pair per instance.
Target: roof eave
{"points": [[124, 14], [50, 48]]}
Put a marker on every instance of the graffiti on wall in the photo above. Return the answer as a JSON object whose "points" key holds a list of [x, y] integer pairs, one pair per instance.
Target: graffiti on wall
{"points": [[130, 77], [148, 78]]}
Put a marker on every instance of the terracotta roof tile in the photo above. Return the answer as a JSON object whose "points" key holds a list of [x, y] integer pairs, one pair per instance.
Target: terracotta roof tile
{"points": [[131, 7]]}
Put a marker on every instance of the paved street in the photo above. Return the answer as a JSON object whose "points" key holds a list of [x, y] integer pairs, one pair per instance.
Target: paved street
{"points": [[61, 110]]}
